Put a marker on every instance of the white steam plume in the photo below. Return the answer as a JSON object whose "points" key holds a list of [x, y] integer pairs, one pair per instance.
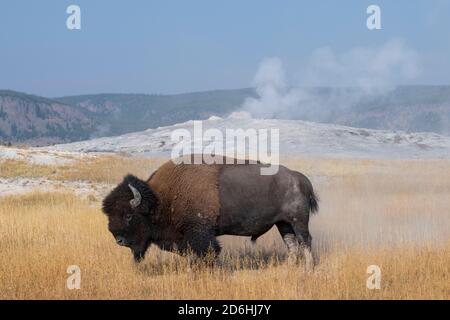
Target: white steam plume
{"points": [[355, 74]]}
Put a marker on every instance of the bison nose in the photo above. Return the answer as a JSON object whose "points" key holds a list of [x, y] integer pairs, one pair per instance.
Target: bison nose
{"points": [[121, 241]]}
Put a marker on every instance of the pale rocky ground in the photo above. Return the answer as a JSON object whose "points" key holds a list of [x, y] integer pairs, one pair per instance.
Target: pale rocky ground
{"points": [[39, 157], [84, 189], [35, 156], [296, 138]]}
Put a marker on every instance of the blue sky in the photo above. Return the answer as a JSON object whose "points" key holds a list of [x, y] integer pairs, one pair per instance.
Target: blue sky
{"points": [[180, 46]]}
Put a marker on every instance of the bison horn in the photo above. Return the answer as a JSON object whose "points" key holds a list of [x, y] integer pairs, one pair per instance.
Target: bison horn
{"points": [[136, 201]]}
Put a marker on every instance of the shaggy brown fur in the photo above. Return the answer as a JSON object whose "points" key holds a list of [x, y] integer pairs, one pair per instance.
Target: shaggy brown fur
{"points": [[187, 191]]}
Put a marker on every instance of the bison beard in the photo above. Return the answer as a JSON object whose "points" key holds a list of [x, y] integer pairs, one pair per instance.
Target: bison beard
{"points": [[184, 207]]}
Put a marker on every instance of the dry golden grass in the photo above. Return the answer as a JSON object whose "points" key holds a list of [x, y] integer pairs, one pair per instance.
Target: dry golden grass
{"points": [[18, 168], [107, 169], [394, 214]]}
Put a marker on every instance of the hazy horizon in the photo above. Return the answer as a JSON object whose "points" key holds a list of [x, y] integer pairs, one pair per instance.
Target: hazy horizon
{"points": [[202, 91]]}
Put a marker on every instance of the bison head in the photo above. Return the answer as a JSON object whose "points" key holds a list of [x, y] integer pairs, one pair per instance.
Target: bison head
{"points": [[129, 208]]}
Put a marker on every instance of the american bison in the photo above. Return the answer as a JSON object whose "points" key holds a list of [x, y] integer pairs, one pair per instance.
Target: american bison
{"points": [[184, 207]]}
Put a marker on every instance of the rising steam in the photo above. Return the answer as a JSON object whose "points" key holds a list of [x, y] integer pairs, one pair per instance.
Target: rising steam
{"points": [[354, 75]]}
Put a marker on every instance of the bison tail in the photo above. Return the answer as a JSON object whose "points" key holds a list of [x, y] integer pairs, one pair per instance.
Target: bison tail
{"points": [[313, 203]]}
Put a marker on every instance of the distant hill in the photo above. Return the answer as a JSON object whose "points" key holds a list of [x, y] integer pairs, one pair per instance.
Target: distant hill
{"points": [[122, 113], [41, 121], [407, 108], [34, 120]]}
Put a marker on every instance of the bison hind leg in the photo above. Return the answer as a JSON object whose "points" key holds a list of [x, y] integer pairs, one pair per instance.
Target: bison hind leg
{"points": [[304, 240], [290, 240]]}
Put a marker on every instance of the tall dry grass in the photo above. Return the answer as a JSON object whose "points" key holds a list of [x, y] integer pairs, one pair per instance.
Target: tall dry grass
{"points": [[105, 169], [392, 214]]}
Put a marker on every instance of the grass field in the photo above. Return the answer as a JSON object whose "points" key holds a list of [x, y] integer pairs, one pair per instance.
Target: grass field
{"points": [[394, 214]]}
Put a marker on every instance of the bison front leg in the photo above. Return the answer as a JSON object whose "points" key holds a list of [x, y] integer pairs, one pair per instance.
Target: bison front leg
{"points": [[199, 242]]}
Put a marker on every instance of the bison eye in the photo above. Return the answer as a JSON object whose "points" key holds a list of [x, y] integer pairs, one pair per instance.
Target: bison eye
{"points": [[128, 217]]}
